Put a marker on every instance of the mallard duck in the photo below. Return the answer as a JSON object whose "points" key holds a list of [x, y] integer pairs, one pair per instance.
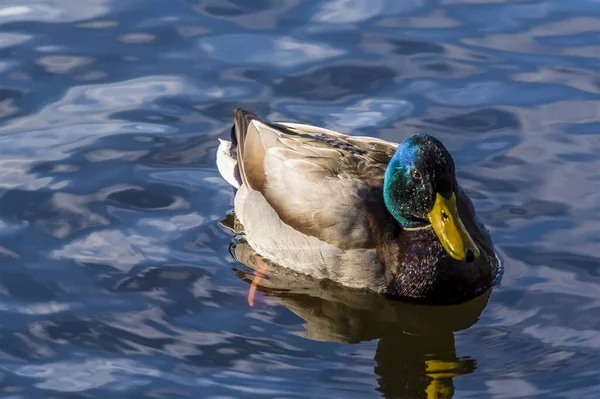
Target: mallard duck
{"points": [[360, 211]]}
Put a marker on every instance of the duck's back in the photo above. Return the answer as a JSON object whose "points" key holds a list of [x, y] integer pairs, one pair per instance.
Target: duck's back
{"points": [[306, 196]]}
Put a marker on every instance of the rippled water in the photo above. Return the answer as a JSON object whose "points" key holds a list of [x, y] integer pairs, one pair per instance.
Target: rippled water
{"points": [[116, 278]]}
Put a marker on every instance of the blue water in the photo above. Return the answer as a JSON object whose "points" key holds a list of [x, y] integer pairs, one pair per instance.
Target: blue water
{"points": [[116, 277]]}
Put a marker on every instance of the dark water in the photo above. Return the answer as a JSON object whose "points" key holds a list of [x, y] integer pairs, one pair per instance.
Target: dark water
{"points": [[116, 279]]}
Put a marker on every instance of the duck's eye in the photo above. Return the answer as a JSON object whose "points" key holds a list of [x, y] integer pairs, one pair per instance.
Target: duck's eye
{"points": [[416, 174]]}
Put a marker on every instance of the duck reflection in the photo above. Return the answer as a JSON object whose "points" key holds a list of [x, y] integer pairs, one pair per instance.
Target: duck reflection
{"points": [[416, 354]]}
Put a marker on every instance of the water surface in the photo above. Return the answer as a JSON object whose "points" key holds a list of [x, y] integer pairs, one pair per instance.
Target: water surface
{"points": [[116, 278]]}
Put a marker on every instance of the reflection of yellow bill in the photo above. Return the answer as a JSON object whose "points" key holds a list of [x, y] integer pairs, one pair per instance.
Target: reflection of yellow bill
{"points": [[450, 230], [442, 373], [440, 389]]}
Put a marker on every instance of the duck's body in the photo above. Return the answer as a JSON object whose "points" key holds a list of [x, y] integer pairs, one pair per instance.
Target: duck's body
{"points": [[318, 202]]}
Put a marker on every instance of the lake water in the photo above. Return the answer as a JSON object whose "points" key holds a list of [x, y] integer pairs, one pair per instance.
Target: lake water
{"points": [[118, 281]]}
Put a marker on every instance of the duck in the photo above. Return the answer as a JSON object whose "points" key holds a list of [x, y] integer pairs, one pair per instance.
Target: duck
{"points": [[360, 211]]}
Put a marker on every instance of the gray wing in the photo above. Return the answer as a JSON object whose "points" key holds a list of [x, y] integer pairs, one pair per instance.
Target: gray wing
{"points": [[317, 181]]}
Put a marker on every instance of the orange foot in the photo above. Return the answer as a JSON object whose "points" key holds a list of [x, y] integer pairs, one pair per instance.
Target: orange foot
{"points": [[262, 266]]}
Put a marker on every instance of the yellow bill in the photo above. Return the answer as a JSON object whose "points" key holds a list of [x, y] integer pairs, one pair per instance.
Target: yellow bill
{"points": [[450, 230]]}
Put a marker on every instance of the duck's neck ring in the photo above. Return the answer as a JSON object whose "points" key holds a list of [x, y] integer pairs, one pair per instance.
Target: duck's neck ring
{"points": [[425, 227]]}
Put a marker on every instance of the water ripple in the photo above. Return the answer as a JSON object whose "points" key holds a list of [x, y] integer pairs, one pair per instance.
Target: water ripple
{"points": [[118, 280]]}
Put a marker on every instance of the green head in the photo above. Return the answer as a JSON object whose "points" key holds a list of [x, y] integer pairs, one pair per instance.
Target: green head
{"points": [[419, 190]]}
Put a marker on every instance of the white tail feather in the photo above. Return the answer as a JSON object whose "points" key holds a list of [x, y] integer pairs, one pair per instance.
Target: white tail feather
{"points": [[226, 164]]}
